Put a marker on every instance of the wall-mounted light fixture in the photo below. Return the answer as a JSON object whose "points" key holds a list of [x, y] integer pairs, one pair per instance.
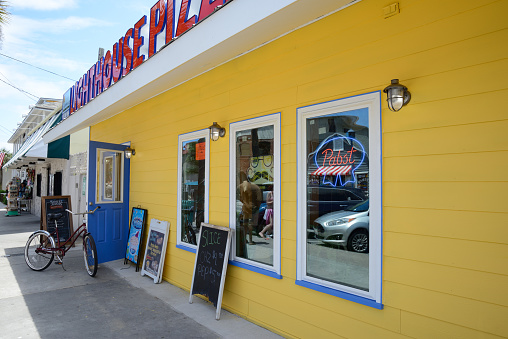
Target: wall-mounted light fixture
{"points": [[129, 152], [398, 95], [216, 131]]}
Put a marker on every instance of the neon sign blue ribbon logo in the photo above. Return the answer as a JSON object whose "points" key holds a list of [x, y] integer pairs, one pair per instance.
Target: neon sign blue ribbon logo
{"points": [[338, 162]]}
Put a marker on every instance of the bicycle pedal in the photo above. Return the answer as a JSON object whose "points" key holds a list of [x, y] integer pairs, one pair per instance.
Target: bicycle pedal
{"points": [[58, 263]]}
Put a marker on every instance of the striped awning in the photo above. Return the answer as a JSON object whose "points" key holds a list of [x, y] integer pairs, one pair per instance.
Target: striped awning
{"points": [[332, 170], [34, 146]]}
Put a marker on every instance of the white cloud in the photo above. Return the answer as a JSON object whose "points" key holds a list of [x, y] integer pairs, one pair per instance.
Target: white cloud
{"points": [[21, 27], [46, 5], [24, 40]]}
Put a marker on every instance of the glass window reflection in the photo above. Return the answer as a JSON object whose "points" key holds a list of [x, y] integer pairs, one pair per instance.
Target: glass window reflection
{"points": [[193, 178], [337, 198], [254, 194]]}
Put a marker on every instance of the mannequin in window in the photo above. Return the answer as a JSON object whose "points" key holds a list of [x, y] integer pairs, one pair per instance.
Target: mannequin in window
{"points": [[250, 196]]}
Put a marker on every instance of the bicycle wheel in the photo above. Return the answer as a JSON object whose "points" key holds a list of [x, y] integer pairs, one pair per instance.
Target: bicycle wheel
{"points": [[38, 250], [90, 255]]}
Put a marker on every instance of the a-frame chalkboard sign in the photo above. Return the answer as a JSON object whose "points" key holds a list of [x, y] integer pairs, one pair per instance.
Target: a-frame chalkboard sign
{"points": [[211, 264]]}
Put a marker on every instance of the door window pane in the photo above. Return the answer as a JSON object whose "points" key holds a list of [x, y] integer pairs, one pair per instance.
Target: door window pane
{"points": [[109, 173]]}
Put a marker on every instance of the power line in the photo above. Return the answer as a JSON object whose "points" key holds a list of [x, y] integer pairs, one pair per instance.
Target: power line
{"points": [[45, 70], [19, 89], [5, 130], [13, 85]]}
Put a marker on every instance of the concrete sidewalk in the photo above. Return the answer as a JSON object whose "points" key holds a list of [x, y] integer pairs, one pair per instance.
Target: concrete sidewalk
{"points": [[117, 303]]}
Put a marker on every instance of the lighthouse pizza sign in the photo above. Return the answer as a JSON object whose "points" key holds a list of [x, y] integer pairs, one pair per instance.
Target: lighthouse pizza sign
{"points": [[167, 21]]}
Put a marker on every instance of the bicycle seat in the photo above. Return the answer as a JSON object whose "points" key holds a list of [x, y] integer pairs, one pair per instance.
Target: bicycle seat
{"points": [[54, 216]]}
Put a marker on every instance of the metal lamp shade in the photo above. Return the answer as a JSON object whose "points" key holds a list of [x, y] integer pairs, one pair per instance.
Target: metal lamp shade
{"points": [[216, 131], [397, 95]]}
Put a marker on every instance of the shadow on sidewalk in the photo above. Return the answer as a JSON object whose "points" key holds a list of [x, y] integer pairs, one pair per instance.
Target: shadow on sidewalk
{"points": [[70, 303]]}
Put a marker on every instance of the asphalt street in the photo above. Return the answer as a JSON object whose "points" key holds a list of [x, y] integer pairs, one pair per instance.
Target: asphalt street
{"points": [[117, 303]]}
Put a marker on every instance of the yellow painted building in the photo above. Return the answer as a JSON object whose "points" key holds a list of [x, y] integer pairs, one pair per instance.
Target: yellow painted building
{"points": [[438, 260]]}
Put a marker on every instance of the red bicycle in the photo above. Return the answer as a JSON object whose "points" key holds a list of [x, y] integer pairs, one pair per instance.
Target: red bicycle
{"points": [[40, 249]]}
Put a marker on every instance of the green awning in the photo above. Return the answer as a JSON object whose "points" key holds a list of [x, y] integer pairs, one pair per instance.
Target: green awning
{"points": [[59, 148]]}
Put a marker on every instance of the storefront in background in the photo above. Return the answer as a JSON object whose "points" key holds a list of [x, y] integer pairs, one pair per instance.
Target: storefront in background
{"points": [[46, 169], [348, 219]]}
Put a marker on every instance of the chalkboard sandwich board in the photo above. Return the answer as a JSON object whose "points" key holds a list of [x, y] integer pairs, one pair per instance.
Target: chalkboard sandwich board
{"points": [[153, 261], [211, 264], [53, 206], [136, 229]]}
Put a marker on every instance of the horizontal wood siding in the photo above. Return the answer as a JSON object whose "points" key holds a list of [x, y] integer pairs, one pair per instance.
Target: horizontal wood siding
{"points": [[445, 161]]}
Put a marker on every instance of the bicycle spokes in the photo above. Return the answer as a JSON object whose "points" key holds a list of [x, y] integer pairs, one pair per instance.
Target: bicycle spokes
{"points": [[39, 251]]}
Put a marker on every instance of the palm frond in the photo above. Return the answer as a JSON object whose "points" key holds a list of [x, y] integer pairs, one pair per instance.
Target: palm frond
{"points": [[4, 13]]}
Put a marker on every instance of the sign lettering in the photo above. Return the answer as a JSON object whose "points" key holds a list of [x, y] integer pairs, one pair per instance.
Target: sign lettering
{"points": [[121, 59], [336, 160], [53, 207], [210, 238], [338, 163]]}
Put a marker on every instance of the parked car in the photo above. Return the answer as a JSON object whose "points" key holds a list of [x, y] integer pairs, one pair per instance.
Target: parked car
{"points": [[348, 228], [323, 200]]}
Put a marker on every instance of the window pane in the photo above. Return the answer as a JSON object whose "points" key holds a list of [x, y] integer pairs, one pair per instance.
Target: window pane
{"points": [[337, 198], [193, 189], [108, 176], [109, 170], [254, 194]]}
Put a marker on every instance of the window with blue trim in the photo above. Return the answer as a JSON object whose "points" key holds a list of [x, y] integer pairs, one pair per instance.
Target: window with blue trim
{"points": [[254, 193], [193, 174], [339, 197]]}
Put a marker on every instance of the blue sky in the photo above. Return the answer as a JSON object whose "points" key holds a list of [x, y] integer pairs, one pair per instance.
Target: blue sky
{"points": [[62, 36]]}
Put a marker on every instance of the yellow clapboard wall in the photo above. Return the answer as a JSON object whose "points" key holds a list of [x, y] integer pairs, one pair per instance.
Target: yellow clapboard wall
{"points": [[445, 161]]}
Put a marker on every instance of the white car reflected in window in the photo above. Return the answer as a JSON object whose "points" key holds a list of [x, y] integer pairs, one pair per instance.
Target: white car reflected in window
{"points": [[347, 229]]}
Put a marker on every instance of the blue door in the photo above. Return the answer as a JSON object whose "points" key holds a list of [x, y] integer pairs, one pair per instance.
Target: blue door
{"points": [[108, 187]]}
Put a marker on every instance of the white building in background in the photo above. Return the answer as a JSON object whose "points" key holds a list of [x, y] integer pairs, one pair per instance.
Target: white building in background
{"points": [[57, 168]]}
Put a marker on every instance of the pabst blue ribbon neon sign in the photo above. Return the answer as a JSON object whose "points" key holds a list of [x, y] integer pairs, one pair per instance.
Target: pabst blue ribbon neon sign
{"points": [[165, 19], [338, 162]]}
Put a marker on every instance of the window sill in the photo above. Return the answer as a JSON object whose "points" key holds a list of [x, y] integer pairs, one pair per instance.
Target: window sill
{"points": [[340, 294], [187, 248], [256, 269]]}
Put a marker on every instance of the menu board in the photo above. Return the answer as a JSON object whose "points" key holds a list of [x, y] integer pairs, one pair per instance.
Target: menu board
{"points": [[54, 206], [155, 252], [135, 238], [211, 264]]}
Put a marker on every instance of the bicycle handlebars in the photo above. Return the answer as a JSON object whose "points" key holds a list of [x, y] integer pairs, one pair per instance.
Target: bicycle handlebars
{"points": [[89, 212]]}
